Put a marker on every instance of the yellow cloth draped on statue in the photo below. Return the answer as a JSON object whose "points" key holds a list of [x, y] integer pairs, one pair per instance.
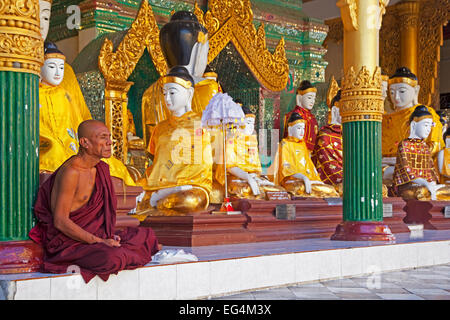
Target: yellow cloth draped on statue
{"points": [[395, 128], [154, 109], [65, 105], [292, 158], [182, 154], [242, 152], [58, 122]]}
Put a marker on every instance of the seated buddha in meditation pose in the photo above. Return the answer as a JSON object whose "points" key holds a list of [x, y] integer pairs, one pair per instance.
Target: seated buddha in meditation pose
{"points": [[59, 117], [404, 90], [180, 178], [184, 42], [415, 175], [327, 155], [305, 99], [294, 169], [244, 179]]}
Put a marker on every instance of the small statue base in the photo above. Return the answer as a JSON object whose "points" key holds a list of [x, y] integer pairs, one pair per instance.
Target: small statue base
{"points": [[20, 257], [363, 231]]}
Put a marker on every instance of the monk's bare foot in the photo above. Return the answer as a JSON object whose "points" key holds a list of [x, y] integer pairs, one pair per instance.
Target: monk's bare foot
{"points": [[160, 246]]}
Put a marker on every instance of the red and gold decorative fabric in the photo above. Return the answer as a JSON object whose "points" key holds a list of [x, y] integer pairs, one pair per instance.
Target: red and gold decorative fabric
{"points": [[414, 161], [327, 154]]}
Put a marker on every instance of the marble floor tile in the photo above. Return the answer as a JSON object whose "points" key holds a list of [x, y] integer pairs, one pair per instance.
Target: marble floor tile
{"points": [[429, 291], [396, 296], [357, 296], [350, 290], [239, 296], [435, 297], [346, 283], [316, 296]]}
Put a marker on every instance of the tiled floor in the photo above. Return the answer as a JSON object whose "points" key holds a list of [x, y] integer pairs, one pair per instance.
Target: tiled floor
{"points": [[430, 283]]}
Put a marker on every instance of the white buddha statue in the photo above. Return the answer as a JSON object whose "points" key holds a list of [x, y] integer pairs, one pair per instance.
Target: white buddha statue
{"points": [[180, 178]]}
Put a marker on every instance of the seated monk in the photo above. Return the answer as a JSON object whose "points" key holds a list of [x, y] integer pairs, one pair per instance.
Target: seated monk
{"points": [[244, 178], [76, 213], [180, 178], [294, 169], [415, 175]]}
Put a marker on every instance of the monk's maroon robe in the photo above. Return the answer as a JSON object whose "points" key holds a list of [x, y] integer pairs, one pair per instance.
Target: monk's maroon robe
{"points": [[98, 217]]}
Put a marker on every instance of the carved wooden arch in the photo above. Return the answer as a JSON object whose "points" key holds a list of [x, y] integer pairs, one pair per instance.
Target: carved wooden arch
{"points": [[232, 20], [116, 67]]}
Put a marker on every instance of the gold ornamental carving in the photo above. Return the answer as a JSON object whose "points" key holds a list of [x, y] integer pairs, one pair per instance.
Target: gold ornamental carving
{"points": [[361, 98], [349, 14], [21, 44], [143, 33], [232, 20]]}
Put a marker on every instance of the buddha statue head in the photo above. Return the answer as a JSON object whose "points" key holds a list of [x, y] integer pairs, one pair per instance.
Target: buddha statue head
{"points": [[52, 71], [421, 123], [335, 115], [45, 7], [184, 42], [404, 88], [249, 121], [178, 89], [296, 126], [306, 95]]}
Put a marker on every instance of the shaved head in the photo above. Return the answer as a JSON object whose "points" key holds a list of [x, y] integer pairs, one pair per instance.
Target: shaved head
{"points": [[88, 127], [94, 138]]}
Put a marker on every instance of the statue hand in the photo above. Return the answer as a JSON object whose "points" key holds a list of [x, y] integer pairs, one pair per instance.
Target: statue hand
{"points": [[307, 183], [253, 185]]}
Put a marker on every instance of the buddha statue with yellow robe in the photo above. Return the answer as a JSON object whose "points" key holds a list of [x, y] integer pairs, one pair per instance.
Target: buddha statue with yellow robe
{"points": [[294, 168], [244, 179], [184, 42], [415, 175], [180, 178], [52, 95], [404, 91], [58, 120]]}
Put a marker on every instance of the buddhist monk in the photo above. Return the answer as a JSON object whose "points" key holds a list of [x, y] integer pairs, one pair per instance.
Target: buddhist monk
{"points": [[76, 213]]}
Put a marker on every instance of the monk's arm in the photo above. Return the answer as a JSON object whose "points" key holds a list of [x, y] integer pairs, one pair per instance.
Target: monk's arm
{"points": [[61, 206]]}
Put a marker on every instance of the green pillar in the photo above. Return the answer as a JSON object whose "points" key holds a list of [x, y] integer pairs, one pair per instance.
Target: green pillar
{"points": [[19, 145], [21, 57], [363, 199]]}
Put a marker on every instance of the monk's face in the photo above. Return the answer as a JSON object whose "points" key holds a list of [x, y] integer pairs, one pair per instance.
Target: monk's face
{"points": [[99, 142]]}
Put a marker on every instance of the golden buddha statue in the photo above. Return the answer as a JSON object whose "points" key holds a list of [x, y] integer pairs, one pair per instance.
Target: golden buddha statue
{"points": [[294, 169], [74, 96], [59, 117], [184, 42], [58, 120], [415, 175], [244, 179], [404, 91], [180, 178]]}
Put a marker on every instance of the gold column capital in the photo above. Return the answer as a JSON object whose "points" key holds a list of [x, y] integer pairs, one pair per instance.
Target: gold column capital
{"points": [[408, 13], [361, 95], [349, 14], [22, 47]]}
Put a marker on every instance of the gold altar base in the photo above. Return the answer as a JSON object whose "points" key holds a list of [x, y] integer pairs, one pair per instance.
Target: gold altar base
{"points": [[429, 213], [314, 218], [199, 229]]}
